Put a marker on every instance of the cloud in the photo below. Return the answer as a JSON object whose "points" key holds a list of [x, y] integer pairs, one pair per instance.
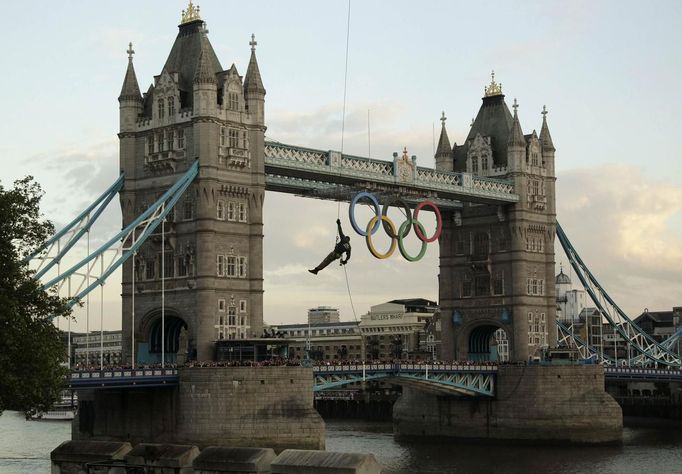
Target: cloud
{"points": [[624, 226]]}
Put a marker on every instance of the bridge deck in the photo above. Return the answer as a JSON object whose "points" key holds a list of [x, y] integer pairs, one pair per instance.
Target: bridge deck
{"points": [[336, 176]]}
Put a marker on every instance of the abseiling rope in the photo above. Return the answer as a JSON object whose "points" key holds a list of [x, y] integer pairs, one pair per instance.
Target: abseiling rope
{"points": [[343, 130]]}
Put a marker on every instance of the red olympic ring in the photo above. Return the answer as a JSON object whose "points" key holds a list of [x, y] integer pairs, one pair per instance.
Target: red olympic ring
{"points": [[439, 222]]}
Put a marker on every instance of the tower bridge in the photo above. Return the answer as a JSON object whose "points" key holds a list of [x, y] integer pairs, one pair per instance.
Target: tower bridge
{"points": [[195, 168]]}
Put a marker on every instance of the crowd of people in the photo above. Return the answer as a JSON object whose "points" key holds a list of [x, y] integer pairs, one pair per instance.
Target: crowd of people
{"points": [[288, 362]]}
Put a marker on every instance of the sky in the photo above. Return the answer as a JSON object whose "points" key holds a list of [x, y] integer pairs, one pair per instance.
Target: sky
{"points": [[607, 71]]}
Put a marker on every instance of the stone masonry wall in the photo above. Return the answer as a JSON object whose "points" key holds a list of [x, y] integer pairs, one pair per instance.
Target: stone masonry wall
{"points": [[212, 406], [551, 404], [238, 406]]}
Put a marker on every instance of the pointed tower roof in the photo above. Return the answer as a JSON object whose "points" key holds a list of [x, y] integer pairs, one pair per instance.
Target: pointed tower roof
{"points": [[252, 80], [545, 137], [184, 56], [493, 120], [516, 137], [130, 89], [444, 148]]}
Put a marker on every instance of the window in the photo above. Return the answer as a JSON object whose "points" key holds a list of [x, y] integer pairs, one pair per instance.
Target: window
{"points": [[233, 101], [222, 136], [534, 158], [182, 266], [169, 139], [181, 138], [150, 144], [150, 272], [234, 138], [481, 245], [459, 243], [536, 187], [535, 287], [169, 265], [242, 267], [504, 241], [474, 164], [161, 109], [537, 329], [484, 162], [231, 266], [160, 141], [220, 210], [242, 306], [187, 210], [498, 283], [171, 106], [220, 264], [230, 211], [221, 307], [483, 285], [242, 212], [232, 316], [466, 286]]}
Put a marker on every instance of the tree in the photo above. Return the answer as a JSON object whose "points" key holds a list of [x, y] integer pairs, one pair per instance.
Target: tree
{"points": [[31, 350]]}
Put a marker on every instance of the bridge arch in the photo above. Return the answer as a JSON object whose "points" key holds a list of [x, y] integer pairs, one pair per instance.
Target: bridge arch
{"points": [[149, 349], [485, 340]]}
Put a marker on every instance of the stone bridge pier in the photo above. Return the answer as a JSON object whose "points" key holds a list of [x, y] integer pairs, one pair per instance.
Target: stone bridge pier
{"points": [[532, 403]]}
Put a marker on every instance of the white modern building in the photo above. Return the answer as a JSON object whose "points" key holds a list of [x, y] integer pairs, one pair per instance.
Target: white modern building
{"points": [[323, 314]]}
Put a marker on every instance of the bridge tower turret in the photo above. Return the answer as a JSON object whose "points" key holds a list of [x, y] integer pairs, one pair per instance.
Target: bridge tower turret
{"points": [[212, 252], [443, 154], [497, 262]]}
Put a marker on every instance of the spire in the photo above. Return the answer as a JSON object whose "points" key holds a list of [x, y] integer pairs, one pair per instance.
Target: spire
{"points": [[545, 137], [444, 149], [252, 80], [204, 74], [130, 89], [516, 137]]}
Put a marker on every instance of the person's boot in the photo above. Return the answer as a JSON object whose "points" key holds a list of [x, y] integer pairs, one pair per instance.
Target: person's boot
{"points": [[313, 271]]}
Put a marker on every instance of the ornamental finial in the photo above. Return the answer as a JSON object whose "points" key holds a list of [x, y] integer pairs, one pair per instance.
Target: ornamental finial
{"points": [[544, 112], [443, 118], [515, 106], [404, 152], [253, 43], [494, 88], [191, 14], [130, 51]]}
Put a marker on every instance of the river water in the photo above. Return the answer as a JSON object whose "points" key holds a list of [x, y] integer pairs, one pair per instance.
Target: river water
{"points": [[25, 448]]}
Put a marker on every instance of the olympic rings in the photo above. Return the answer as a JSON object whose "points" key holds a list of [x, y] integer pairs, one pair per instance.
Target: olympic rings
{"points": [[381, 219], [368, 237], [351, 212]]}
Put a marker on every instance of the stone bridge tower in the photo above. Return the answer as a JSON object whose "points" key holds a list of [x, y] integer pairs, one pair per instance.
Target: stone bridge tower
{"points": [[212, 259], [497, 262]]}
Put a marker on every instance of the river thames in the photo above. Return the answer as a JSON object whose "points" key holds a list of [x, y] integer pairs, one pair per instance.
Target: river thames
{"points": [[25, 448]]}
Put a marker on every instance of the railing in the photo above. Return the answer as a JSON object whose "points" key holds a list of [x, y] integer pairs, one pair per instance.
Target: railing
{"points": [[123, 378], [398, 367], [335, 167]]}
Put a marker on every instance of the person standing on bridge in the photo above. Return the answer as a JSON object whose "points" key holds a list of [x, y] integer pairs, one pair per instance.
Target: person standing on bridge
{"points": [[341, 247]]}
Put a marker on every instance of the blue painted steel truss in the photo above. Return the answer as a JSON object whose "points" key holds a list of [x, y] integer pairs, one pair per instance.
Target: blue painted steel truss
{"points": [[647, 350], [93, 270], [470, 380]]}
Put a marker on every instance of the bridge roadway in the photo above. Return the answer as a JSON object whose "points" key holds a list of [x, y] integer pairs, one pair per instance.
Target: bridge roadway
{"points": [[332, 175], [453, 379]]}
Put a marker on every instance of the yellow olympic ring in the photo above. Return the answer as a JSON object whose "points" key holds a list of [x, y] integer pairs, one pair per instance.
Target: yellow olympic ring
{"points": [[368, 237]]}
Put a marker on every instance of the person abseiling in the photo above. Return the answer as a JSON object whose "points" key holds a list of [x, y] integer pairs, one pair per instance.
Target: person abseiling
{"points": [[342, 246]]}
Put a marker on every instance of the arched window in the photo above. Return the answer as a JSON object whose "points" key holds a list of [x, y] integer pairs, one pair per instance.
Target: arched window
{"points": [[162, 109], [171, 106], [474, 164], [484, 162]]}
